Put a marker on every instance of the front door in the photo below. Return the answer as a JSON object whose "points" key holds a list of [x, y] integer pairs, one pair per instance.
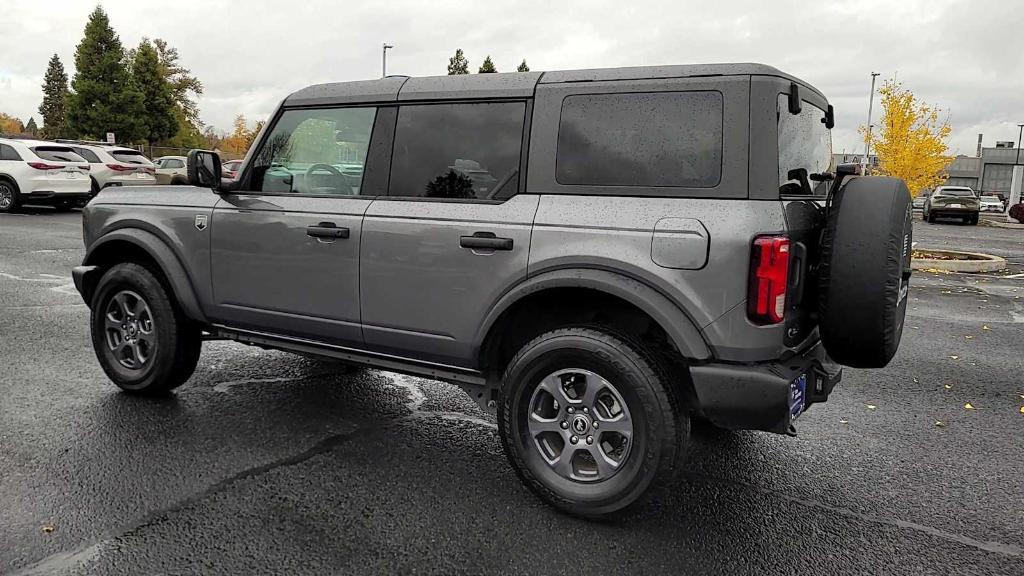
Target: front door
{"points": [[285, 248], [452, 235]]}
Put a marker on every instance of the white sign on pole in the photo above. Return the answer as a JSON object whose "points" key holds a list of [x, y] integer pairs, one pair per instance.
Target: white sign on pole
{"points": [[110, 137]]}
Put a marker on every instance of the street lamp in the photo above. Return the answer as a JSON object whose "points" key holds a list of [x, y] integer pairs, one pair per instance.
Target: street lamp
{"points": [[1019, 132], [867, 145], [384, 60]]}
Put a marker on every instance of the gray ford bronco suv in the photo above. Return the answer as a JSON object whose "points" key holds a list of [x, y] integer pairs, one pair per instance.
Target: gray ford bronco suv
{"points": [[599, 257]]}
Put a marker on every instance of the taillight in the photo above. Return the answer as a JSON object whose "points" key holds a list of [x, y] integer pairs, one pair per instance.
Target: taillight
{"points": [[120, 168], [151, 170], [769, 276], [45, 166]]}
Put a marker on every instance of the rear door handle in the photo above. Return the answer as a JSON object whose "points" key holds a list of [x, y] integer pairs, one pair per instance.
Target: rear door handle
{"points": [[326, 230], [486, 241]]}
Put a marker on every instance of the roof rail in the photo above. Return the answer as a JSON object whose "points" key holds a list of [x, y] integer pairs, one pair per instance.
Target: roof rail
{"points": [[88, 142]]}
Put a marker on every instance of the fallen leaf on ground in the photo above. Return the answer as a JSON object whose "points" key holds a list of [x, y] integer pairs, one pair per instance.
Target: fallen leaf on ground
{"points": [[955, 357], [47, 529], [969, 337], [871, 406], [948, 386], [940, 423], [1022, 409], [985, 328], [916, 381], [844, 421], [969, 406]]}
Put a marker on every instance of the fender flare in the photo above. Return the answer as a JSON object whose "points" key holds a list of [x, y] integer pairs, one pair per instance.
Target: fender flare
{"points": [[170, 265], [679, 327]]}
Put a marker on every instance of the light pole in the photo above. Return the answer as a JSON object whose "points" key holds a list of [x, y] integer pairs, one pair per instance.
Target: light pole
{"points": [[867, 145], [1019, 132], [384, 60], [1017, 178]]}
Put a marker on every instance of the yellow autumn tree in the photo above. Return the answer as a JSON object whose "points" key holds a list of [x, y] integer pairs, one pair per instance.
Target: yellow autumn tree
{"points": [[911, 141], [238, 141], [10, 124]]}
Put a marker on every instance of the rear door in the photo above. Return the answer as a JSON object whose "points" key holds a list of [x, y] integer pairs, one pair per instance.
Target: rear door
{"points": [[285, 247], [452, 235]]}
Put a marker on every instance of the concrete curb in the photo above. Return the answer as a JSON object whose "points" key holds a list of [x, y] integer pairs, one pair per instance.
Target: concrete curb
{"points": [[1009, 225], [978, 263]]}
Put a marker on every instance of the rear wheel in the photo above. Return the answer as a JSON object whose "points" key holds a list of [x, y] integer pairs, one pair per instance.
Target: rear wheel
{"points": [[143, 342], [589, 421], [8, 196], [972, 219]]}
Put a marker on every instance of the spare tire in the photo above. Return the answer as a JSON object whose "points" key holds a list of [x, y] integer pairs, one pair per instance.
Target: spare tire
{"points": [[864, 273]]}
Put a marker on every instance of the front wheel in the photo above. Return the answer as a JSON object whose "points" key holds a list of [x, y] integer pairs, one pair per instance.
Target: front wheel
{"points": [[143, 342], [590, 423], [8, 197]]}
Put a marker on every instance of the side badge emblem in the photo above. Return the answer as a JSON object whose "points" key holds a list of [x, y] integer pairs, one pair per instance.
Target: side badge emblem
{"points": [[200, 222]]}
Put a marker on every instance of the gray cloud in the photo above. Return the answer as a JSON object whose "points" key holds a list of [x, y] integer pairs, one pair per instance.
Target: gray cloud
{"points": [[958, 55]]}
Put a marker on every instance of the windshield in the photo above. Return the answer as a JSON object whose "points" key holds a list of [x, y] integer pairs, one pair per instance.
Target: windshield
{"points": [[804, 143]]}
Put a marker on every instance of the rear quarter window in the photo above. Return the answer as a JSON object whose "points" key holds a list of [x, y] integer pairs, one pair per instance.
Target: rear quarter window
{"points": [[651, 139]]}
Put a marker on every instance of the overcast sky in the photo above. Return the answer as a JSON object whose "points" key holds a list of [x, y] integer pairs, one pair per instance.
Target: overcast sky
{"points": [[965, 56]]}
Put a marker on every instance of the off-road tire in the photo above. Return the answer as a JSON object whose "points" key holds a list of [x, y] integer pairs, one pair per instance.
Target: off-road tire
{"points": [[865, 270], [178, 341], [660, 422]]}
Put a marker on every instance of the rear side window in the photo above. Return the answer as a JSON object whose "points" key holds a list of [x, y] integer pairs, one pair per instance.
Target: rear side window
{"points": [[129, 156], [466, 150], [89, 155], [173, 163], [57, 154], [805, 144], [8, 153], [641, 139]]}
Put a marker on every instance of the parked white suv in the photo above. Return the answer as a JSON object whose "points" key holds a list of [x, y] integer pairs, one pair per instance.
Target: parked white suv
{"points": [[115, 165], [37, 172]]}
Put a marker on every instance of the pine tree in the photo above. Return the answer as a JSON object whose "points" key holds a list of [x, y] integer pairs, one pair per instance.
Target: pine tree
{"points": [[487, 67], [104, 98], [31, 127], [458, 64], [55, 95], [523, 67], [158, 98]]}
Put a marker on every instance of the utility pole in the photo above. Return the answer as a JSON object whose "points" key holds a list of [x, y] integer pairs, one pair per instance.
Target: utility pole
{"points": [[867, 145], [384, 60]]}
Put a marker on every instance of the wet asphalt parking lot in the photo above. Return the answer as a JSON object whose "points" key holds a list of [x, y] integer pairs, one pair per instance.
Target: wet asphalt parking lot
{"points": [[265, 462]]}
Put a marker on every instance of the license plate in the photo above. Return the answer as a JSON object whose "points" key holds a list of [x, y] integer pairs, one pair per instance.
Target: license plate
{"points": [[797, 396], [140, 175], [956, 205], [71, 175]]}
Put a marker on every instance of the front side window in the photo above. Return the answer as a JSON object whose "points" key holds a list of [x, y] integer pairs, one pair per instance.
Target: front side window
{"points": [[315, 151], [805, 145], [466, 150], [641, 139]]}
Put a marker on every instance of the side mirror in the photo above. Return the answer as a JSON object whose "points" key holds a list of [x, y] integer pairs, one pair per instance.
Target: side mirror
{"points": [[204, 169]]}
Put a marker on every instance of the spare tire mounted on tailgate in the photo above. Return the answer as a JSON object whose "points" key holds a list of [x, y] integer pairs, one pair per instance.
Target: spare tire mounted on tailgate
{"points": [[865, 271]]}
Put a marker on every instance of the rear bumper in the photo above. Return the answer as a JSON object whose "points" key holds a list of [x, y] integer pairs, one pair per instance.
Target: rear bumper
{"points": [[762, 396]]}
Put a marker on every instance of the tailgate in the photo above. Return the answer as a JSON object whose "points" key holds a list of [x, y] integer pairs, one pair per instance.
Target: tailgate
{"points": [[804, 221]]}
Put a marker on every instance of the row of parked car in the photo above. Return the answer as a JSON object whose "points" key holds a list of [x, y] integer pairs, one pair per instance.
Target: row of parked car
{"points": [[68, 173], [960, 202]]}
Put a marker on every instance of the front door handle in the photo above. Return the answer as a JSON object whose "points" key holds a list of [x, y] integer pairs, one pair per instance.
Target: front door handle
{"points": [[486, 241], [326, 230]]}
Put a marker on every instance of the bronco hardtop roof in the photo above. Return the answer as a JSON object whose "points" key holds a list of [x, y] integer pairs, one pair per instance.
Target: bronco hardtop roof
{"points": [[509, 84]]}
